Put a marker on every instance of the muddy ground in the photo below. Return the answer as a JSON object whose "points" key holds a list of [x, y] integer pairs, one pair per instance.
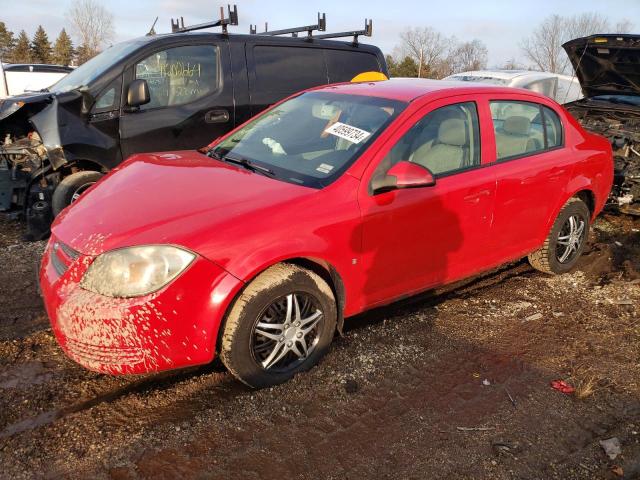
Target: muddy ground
{"points": [[448, 385]]}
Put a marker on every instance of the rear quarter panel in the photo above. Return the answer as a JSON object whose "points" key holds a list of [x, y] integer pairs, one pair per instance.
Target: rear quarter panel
{"points": [[592, 170]]}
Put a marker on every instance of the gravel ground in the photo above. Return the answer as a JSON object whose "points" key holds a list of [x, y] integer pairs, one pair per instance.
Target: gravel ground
{"points": [[451, 384]]}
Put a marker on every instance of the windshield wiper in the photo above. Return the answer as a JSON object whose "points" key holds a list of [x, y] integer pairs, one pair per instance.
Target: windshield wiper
{"points": [[243, 162]]}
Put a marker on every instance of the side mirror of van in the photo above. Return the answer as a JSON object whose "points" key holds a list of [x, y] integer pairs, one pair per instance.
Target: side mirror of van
{"points": [[138, 93]]}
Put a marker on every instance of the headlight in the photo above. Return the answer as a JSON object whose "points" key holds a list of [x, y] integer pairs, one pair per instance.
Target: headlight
{"points": [[135, 271]]}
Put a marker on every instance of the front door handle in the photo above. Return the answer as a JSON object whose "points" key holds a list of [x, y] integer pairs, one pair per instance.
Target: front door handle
{"points": [[216, 116]]}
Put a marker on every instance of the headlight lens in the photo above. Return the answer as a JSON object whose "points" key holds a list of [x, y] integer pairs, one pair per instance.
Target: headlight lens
{"points": [[135, 271]]}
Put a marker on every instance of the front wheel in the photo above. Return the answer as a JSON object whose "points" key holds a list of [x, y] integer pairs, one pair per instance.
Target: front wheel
{"points": [[566, 241], [70, 189], [280, 325]]}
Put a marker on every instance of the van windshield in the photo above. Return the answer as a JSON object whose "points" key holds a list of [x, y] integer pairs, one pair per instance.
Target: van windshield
{"points": [[98, 65], [310, 139]]}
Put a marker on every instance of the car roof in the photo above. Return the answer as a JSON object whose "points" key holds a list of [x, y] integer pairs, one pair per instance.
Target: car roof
{"points": [[409, 89]]}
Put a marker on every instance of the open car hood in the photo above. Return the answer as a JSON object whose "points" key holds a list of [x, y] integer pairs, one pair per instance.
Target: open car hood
{"points": [[606, 64]]}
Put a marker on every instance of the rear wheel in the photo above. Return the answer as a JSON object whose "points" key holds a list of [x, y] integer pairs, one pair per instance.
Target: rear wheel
{"points": [[70, 189], [566, 241], [280, 325]]}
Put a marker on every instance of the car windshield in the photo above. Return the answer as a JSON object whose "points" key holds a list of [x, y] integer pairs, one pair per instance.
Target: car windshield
{"points": [[311, 139], [89, 71], [622, 99]]}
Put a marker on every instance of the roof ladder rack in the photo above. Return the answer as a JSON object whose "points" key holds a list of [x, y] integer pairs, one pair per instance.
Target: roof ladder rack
{"points": [[368, 30], [321, 26], [177, 26]]}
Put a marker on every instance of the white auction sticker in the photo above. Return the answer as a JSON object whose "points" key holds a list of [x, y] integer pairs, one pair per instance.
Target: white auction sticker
{"points": [[352, 134], [324, 168]]}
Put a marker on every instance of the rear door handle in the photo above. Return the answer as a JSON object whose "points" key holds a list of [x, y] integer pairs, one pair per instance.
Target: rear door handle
{"points": [[216, 116], [475, 197]]}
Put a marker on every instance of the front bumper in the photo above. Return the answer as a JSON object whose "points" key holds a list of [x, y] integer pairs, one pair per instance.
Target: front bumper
{"points": [[172, 328]]}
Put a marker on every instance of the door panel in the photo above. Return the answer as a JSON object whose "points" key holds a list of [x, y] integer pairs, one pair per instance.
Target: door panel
{"points": [[530, 184], [191, 99], [419, 238], [528, 189]]}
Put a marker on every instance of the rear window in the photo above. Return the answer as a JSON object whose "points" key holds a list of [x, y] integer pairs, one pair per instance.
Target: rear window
{"points": [[287, 70], [343, 65]]}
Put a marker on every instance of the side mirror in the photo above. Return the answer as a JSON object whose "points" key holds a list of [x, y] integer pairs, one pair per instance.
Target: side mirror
{"points": [[403, 174], [138, 93]]}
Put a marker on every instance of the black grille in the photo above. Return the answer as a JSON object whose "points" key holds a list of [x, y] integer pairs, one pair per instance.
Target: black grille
{"points": [[62, 256]]}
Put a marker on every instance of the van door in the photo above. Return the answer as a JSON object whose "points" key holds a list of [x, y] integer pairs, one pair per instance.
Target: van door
{"points": [[277, 71], [191, 95]]}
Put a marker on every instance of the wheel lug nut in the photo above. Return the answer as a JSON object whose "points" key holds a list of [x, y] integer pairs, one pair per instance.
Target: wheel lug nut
{"points": [[282, 339], [299, 335], [289, 344], [297, 324]]}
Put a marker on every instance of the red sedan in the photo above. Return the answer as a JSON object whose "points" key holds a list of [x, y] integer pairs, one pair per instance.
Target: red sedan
{"points": [[335, 201]]}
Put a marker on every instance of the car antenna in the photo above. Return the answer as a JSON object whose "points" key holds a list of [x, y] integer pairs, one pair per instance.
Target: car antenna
{"points": [[321, 26], [152, 30], [177, 26], [367, 32]]}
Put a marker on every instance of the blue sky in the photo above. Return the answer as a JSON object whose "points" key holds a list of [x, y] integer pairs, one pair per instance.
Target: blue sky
{"points": [[500, 24]]}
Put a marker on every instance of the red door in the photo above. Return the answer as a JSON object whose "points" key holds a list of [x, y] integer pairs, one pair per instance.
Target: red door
{"points": [[418, 238], [532, 170]]}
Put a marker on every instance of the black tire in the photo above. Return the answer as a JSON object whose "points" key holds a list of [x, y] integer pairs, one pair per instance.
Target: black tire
{"points": [[70, 186], [549, 258], [238, 344]]}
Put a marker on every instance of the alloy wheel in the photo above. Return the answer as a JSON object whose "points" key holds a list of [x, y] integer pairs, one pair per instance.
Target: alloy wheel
{"points": [[287, 332], [570, 239]]}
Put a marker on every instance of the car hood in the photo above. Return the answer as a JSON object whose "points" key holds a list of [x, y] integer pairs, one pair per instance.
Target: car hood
{"points": [[179, 198], [606, 64]]}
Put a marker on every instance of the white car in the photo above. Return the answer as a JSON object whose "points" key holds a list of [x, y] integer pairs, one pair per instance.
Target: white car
{"points": [[562, 88], [19, 78]]}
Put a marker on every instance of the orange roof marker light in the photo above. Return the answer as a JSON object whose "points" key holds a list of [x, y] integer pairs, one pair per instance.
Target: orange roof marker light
{"points": [[369, 77]]}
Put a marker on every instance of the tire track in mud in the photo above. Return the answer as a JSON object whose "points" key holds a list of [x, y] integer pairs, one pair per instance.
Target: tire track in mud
{"points": [[161, 381], [156, 382], [425, 399]]}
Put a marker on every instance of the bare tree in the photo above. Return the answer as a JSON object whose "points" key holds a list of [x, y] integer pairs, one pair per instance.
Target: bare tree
{"points": [[585, 24], [623, 26], [93, 24], [511, 64], [426, 46], [544, 46], [467, 56]]}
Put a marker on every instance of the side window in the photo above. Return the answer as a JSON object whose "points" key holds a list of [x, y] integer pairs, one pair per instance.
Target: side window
{"points": [[518, 128], [343, 65], [179, 75], [106, 100], [109, 99], [553, 128], [446, 140], [288, 69]]}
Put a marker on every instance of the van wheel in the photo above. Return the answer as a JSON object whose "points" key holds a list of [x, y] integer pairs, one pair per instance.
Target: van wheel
{"points": [[70, 189], [565, 243], [282, 324]]}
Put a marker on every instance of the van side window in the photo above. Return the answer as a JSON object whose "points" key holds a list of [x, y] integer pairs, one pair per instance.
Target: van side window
{"points": [[288, 69], [518, 128], [179, 75], [553, 128], [343, 65]]}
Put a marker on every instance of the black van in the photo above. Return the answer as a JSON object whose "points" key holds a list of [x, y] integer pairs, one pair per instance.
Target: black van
{"points": [[159, 92]]}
